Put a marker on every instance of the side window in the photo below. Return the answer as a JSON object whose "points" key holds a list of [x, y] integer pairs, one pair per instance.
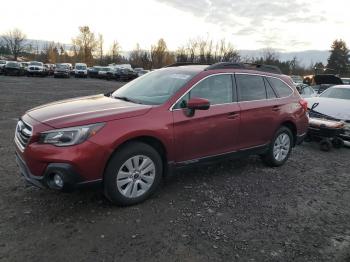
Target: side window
{"points": [[217, 89], [270, 93], [281, 88], [250, 87]]}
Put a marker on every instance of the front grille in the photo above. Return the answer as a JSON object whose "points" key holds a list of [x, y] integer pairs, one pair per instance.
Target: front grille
{"points": [[22, 134]]}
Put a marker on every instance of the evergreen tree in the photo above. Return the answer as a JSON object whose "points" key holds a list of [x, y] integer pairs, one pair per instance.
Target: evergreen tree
{"points": [[339, 58]]}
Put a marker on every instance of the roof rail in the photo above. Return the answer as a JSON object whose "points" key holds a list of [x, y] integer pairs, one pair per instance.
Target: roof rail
{"points": [[225, 65], [184, 64], [248, 66], [265, 68]]}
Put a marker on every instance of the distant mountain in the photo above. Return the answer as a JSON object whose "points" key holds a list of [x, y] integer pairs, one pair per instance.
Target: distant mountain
{"points": [[42, 44], [304, 57]]}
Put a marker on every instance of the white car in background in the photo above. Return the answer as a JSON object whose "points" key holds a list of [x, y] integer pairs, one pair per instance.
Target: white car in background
{"points": [[333, 104], [80, 70], [37, 69]]}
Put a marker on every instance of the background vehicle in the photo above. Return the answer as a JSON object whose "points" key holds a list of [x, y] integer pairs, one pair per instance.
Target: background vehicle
{"points": [[2, 65], [80, 70], [142, 72], [321, 82], [306, 91], [333, 104], [13, 68], [127, 74], [36, 69], [346, 81], [105, 73], [178, 107], [62, 70], [93, 71], [296, 79], [50, 68], [25, 66]]}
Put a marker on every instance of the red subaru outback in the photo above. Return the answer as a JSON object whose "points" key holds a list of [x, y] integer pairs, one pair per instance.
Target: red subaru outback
{"points": [[170, 118]]}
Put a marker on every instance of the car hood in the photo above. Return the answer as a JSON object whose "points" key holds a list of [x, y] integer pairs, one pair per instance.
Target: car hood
{"points": [[86, 110], [336, 108]]}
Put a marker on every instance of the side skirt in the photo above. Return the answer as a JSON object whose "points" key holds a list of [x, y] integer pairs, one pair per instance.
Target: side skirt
{"points": [[220, 157]]}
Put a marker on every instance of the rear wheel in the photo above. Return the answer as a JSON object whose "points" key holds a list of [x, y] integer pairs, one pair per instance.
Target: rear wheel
{"points": [[280, 148], [133, 174]]}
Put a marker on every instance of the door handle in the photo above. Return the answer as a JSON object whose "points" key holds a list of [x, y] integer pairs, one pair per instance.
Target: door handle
{"points": [[232, 115], [276, 108]]}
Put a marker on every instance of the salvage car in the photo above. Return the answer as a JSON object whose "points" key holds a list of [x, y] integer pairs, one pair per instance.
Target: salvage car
{"points": [[306, 91], [13, 68], [129, 139], [36, 69], [333, 104]]}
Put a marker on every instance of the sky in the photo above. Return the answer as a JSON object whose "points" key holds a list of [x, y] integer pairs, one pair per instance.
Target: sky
{"points": [[284, 25]]}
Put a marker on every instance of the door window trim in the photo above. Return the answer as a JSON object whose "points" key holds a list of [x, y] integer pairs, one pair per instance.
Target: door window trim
{"points": [[233, 87], [276, 98]]}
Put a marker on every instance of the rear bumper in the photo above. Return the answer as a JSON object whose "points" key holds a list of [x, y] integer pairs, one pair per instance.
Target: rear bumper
{"points": [[69, 176]]}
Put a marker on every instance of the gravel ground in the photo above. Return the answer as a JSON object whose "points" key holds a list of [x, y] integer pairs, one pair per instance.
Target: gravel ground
{"points": [[236, 210]]}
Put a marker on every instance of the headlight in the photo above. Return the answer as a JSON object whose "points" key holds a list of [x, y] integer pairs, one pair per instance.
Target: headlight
{"points": [[69, 136]]}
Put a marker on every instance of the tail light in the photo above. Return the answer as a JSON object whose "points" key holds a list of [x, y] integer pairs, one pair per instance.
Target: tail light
{"points": [[303, 104]]}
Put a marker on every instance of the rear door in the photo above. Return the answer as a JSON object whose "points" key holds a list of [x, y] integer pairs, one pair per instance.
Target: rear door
{"points": [[208, 132], [259, 110]]}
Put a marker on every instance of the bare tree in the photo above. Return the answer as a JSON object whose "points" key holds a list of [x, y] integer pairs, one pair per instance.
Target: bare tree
{"points": [[160, 55], [86, 43], [115, 51], [15, 40], [204, 50], [100, 47]]}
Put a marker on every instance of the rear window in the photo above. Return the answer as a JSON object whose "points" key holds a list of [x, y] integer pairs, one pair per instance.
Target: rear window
{"points": [[250, 87], [281, 88]]}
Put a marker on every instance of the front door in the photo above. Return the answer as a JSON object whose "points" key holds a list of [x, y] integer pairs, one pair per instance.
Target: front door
{"points": [[209, 132]]}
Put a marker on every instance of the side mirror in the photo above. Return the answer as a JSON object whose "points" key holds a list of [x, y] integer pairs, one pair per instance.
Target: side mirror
{"points": [[196, 104]]}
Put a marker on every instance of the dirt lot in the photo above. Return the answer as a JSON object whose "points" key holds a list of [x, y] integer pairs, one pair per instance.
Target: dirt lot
{"points": [[231, 211]]}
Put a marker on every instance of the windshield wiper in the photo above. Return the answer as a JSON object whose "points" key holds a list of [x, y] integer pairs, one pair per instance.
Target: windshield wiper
{"points": [[127, 99]]}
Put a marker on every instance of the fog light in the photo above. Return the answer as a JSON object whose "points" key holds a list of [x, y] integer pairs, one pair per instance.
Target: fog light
{"points": [[58, 181]]}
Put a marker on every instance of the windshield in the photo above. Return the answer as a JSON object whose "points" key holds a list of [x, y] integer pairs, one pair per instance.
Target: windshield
{"points": [[80, 67], [61, 66], [36, 63], [156, 87], [2, 62], [12, 64], [339, 93]]}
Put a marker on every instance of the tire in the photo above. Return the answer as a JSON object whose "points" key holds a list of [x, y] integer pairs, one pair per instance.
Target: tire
{"points": [[280, 148], [121, 168], [325, 145], [337, 142]]}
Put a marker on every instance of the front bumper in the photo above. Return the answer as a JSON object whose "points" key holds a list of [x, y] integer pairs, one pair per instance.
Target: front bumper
{"points": [[71, 179]]}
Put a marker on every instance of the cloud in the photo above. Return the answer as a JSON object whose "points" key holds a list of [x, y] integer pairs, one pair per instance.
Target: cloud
{"points": [[264, 20]]}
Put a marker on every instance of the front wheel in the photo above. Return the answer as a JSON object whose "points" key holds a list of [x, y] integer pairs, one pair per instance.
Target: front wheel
{"points": [[133, 174], [280, 148]]}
